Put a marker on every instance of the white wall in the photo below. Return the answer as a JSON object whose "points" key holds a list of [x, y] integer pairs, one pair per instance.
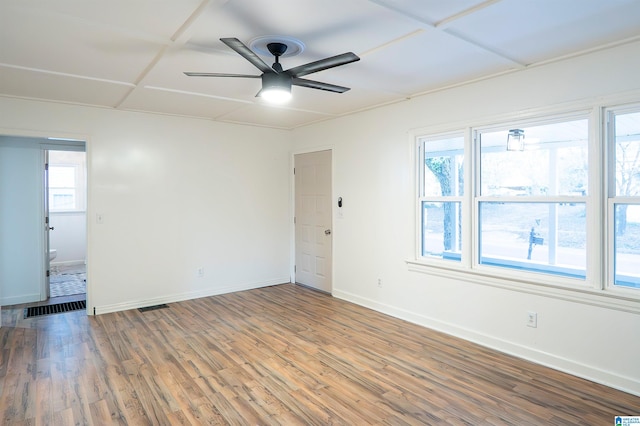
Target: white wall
{"points": [[175, 194], [69, 237], [374, 174], [21, 223]]}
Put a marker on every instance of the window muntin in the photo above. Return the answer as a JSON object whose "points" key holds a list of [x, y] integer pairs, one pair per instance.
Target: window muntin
{"points": [[624, 198], [441, 189]]}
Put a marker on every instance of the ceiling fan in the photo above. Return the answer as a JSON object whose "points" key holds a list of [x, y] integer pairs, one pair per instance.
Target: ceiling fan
{"points": [[276, 82]]}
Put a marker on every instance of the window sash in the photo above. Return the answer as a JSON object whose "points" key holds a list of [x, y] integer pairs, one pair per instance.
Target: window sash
{"points": [[623, 254], [64, 182], [533, 236], [442, 145]]}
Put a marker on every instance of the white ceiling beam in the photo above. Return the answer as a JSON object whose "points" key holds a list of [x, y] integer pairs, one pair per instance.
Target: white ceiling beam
{"points": [[181, 31], [445, 23], [65, 74], [390, 42], [186, 29]]}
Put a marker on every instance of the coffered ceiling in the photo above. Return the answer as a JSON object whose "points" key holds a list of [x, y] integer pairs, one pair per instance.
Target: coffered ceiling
{"points": [[131, 54]]}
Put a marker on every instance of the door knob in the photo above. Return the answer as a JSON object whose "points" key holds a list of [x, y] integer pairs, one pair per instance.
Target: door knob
{"points": [[51, 228], [327, 231]]}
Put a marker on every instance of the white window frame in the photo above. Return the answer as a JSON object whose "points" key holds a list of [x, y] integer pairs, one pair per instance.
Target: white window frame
{"points": [[478, 198], [77, 188], [595, 288], [421, 143], [609, 178]]}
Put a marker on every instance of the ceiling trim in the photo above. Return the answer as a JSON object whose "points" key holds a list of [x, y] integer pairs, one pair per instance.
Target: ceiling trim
{"points": [[447, 21], [142, 75], [444, 30], [394, 41], [181, 31], [188, 23], [65, 74], [203, 95]]}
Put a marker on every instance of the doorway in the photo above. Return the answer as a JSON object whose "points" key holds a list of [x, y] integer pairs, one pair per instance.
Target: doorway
{"points": [[24, 246], [67, 230], [313, 220]]}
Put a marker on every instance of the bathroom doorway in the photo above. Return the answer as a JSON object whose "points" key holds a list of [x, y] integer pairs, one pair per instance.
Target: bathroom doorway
{"points": [[67, 230], [24, 252]]}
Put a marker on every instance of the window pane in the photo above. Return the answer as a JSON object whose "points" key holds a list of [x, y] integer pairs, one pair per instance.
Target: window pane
{"points": [[441, 225], [627, 154], [554, 161], [443, 167], [627, 245], [540, 237], [62, 176]]}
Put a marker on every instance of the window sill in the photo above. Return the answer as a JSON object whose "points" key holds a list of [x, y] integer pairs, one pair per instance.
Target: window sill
{"points": [[619, 300]]}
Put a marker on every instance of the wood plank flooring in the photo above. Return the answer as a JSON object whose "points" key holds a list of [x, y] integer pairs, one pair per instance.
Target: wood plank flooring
{"points": [[278, 355]]}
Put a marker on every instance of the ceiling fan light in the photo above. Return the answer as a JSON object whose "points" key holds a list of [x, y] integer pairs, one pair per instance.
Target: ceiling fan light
{"points": [[276, 88], [276, 95]]}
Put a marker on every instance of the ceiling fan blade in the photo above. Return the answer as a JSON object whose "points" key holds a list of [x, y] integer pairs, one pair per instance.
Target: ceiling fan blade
{"points": [[323, 64], [217, 74], [303, 82], [247, 53]]}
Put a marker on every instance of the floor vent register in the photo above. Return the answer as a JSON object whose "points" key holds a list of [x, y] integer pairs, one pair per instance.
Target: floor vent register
{"points": [[58, 308]]}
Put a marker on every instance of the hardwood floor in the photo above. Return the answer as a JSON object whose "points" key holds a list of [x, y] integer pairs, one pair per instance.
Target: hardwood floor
{"points": [[278, 355]]}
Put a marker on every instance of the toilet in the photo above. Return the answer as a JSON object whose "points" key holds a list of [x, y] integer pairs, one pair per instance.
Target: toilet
{"points": [[52, 254]]}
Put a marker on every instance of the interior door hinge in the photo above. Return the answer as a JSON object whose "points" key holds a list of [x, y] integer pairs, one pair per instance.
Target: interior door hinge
{"points": [[48, 273], [46, 166]]}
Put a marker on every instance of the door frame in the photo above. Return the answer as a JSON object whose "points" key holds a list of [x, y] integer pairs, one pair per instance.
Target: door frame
{"points": [[56, 140], [45, 292], [292, 208]]}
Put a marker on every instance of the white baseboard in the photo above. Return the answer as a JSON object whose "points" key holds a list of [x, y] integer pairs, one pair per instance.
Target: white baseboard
{"points": [[18, 300], [68, 263], [179, 297], [565, 365]]}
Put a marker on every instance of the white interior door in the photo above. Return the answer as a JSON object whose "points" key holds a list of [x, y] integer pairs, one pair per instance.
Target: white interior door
{"points": [[313, 220]]}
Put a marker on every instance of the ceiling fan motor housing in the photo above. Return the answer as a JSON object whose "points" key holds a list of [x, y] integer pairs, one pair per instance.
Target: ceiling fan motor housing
{"points": [[275, 80]]}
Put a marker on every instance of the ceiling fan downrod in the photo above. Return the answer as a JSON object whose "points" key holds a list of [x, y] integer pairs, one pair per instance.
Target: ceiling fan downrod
{"points": [[277, 50]]}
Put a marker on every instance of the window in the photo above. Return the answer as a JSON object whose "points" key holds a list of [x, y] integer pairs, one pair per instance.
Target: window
{"points": [[531, 204], [561, 210], [441, 191], [66, 181], [62, 187], [624, 196]]}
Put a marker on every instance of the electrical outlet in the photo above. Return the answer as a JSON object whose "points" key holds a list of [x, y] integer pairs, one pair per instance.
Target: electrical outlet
{"points": [[379, 282], [200, 272], [532, 319]]}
